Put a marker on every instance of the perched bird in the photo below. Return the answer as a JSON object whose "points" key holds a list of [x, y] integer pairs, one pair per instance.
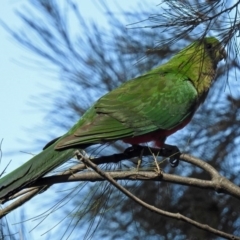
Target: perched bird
{"points": [[147, 108]]}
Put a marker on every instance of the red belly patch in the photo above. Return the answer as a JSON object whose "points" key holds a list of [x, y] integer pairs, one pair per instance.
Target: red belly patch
{"points": [[158, 136]]}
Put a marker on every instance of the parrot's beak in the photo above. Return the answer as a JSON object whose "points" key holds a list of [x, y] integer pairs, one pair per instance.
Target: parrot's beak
{"points": [[223, 53]]}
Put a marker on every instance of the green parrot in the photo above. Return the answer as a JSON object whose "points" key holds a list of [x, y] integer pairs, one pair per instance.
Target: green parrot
{"points": [[147, 108]]}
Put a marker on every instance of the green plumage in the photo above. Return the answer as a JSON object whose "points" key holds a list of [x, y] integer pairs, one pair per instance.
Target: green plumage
{"points": [[160, 100], [133, 109]]}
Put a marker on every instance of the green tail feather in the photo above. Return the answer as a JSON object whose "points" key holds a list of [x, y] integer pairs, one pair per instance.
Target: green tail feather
{"points": [[36, 167]]}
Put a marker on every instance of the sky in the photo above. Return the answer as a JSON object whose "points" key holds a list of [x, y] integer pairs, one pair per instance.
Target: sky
{"points": [[20, 82]]}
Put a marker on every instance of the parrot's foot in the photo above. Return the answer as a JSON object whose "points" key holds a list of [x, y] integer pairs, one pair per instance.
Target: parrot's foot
{"points": [[172, 152], [169, 151], [138, 149]]}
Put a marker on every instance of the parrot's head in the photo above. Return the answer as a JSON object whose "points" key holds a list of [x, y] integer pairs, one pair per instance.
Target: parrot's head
{"points": [[214, 49], [207, 51], [210, 53], [199, 61]]}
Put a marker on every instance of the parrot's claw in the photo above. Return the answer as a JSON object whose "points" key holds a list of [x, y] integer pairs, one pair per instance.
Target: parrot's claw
{"points": [[169, 151], [173, 153], [174, 162]]}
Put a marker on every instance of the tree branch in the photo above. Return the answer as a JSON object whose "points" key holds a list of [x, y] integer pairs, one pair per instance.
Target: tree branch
{"points": [[177, 216]]}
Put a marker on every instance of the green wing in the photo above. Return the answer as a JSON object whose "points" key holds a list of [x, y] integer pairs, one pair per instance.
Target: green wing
{"points": [[156, 100]]}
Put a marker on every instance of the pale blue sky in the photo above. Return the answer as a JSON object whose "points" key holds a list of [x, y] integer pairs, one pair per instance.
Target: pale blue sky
{"points": [[19, 82]]}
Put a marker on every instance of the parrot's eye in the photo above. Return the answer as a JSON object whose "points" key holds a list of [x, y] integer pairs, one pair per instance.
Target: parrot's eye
{"points": [[209, 46]]}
